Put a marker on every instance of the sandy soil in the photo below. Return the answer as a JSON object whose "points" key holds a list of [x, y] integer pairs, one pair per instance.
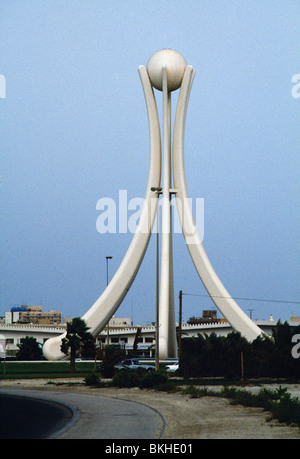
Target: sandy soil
{"points": [[187, 418]]}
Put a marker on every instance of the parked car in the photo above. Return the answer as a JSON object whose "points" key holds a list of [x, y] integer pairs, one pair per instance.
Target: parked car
{"points": [[133, 364], [172, 367]]}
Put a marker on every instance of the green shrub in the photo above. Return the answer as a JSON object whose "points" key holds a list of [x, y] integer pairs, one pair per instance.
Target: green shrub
{"points": [[126, 378], [139, 378], [93, 380], [245, 398], [110, 356], [287, 410], [275, 394], [279, 402], [152, 379], [228, 392], [168, 386], [197, 392]]}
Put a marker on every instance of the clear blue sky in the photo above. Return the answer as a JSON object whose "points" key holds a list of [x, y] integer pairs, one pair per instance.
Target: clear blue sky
{"points": [[74, 129]]}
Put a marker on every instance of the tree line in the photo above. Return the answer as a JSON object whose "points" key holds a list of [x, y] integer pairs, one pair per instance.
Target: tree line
{"points": [[232, 356]]}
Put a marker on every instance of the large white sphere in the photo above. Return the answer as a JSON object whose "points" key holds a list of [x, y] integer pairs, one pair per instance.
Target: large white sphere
{"points": [[175, 63]]}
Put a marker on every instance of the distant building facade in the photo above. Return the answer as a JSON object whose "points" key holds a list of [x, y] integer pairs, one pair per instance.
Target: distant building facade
{"points": [[32, 315], [122, 337], [32, 321]]}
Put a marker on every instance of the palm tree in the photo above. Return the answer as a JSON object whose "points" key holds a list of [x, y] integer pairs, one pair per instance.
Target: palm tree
{"points": [[76, 338], [29, 349]]}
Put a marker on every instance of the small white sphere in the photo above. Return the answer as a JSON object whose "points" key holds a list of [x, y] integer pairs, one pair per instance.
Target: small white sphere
{"points": [[175, 64]]}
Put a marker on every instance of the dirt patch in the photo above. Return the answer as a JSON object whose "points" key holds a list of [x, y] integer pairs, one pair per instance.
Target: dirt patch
{"points": [[185, 418]]}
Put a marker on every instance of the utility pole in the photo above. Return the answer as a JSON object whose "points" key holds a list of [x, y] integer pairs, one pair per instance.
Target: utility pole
{"points": [[157, 294], [242, 368], [107, 258], [180, 325], [251, 310]]}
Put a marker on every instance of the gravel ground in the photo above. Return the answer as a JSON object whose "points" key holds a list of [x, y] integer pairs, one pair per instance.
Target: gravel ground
{"points": [[187, 418]]}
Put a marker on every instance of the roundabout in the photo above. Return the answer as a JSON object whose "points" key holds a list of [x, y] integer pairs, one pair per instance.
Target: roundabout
{"points": [[44, 414]]}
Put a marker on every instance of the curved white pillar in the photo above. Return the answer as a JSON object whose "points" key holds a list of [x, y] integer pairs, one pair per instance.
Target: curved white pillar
{"points": [[103, 309], [216, 290]]}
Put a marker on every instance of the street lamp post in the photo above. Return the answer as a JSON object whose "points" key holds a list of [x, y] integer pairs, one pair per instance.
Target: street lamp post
{"points": [[180, 326], [251, 310], [107, 258], [158, 190]]}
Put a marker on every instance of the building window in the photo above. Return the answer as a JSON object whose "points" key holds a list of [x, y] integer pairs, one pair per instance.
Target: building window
{"points": [[114, 340], [148, 340]]}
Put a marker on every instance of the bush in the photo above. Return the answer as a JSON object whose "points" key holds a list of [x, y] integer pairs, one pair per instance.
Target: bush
{"points": [[126, 378], [198, 392], [168, 386], [140, 378], [245, 398], [279, 402], [287, 410], [228, 392], [152, 379], [110, 356], [93, 380]]}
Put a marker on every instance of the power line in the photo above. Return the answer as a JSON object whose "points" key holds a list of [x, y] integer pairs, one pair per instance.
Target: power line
{"points": [[241, 298]]}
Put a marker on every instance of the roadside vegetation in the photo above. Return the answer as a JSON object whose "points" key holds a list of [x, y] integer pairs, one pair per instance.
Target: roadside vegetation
{"points": [[228, 362], [232, 356], [277, 402]]}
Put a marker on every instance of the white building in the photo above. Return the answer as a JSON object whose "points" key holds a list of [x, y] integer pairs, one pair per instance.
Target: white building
{"points": [[122, 336]]}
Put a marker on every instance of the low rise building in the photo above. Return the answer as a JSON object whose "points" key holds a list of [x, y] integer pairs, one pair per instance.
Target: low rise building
{"points": [[32, 321], [123, 337], [32, 315]]}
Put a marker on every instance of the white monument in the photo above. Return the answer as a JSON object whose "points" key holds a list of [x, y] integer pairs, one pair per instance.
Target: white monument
{"points": [[166, 71]]}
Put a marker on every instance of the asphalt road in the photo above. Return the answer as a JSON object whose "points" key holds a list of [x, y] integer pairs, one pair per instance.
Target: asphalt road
{"points": [[65, 415]]}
